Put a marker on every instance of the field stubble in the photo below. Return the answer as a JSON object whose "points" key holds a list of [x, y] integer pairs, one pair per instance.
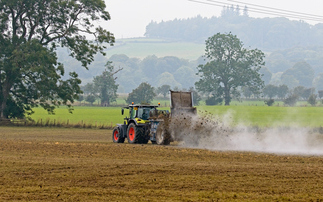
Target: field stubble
{"points": [[84, 165]]}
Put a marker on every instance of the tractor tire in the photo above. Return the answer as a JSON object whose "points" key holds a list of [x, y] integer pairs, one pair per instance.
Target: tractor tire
{"points": [[135, 134], [162, 135], [144, 141], [116, 136]]}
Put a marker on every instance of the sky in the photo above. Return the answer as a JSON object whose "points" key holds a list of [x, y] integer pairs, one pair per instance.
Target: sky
{"points": [[129, 18]]}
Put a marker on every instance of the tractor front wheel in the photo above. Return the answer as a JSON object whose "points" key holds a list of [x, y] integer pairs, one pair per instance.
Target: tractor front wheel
{"points": [[116, 136], [134, 134]]}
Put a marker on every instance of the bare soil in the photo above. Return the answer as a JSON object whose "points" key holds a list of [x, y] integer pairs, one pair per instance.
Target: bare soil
{"points": [[50, 164]]}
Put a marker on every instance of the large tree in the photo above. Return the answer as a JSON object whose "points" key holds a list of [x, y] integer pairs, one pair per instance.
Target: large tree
{"points": [[144, 94], [30, 31], [270, 91], [230, 66]]}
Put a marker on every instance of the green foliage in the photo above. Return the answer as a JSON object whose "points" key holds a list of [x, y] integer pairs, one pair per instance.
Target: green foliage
{"points": [[312, 99], [30, 32], [89, 89], [291, 100], [214, 100], [269, 102], [164, 90], [231, 66], [266, 75], [270, 91], [81, 98], [105, 85], [144, 93], [90, 99], [303, 92], [320, 94], [302, 72], [246, 92], [318, 82], [282, 91]]}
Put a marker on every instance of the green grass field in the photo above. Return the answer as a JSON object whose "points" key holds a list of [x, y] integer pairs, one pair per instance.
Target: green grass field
{"points": [[262, 116]]}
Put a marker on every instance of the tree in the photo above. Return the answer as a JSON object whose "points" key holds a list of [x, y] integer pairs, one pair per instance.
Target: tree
{"points": [[30, 31], [320, 94], [303, 92], [266, 75], [88, 89], [143, 94], [167, 78], [282, 91], [246, 92], [270, 91], [318, 82], [105, 85], [269, 102], [312, 100], [291, 100], [231, 66], [302, 72], [245, 12], [90, 99], [164, 90]]}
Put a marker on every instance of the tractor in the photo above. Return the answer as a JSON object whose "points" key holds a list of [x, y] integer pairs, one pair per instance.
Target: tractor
{"points": [[146, 122], [136, 127]]}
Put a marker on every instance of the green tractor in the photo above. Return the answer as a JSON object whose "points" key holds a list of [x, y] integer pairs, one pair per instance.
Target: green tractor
{"points": [[137, 127], [146, 123]]}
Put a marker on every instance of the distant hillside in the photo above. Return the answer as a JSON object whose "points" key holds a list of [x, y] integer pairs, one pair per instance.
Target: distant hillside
{"points": [[267, 34], [143, 47]]}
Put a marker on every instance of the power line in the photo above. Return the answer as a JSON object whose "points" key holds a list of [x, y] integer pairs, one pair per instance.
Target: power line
{"points": [[278, 9], [271, 11], [277, 13]]}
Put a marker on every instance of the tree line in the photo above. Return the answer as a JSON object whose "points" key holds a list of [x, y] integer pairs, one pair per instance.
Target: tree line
{"points": [[264, 33]]}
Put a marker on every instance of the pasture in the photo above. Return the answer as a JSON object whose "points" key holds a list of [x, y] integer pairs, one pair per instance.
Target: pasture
{"points": [[59, 164], [253, 115]]}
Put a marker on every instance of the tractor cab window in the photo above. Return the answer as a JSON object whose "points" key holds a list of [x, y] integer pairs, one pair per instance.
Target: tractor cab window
{"points": [[132, 113], [143, 113]]}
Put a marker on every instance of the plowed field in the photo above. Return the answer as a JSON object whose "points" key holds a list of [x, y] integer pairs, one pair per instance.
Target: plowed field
{"points": [[49, 164]]}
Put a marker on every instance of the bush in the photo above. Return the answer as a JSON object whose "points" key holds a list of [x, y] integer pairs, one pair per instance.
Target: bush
{"points": [[312, 100], [213, 101], [269, 102], [291, 100]]}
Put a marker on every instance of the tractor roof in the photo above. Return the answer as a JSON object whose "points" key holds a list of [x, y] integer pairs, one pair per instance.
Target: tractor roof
{"points": [[141, 106]]}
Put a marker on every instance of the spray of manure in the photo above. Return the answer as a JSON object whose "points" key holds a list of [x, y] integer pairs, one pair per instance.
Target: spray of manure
{"points": [[214, 133]]}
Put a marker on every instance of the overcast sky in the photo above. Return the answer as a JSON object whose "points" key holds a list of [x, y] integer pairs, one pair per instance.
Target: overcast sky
{"points": [[130, 17]]}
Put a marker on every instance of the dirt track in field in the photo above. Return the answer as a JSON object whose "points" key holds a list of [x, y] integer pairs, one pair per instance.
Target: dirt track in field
{"points": [[84, 165]]}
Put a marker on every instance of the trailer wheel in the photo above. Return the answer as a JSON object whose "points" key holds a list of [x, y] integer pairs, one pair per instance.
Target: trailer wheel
{"points": [[162, 135], [135, 134], [116, 136]]}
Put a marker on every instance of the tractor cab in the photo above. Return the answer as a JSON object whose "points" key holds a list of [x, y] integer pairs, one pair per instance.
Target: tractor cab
{"points": [[139, 113]]}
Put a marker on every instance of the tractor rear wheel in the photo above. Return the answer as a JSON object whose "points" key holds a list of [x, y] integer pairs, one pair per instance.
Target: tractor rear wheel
{"points": [[162, 135], [116, 136], [135, 134]]}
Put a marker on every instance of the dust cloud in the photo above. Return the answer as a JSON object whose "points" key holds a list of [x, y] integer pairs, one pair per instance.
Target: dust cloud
{"points": [[217, 133]]}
